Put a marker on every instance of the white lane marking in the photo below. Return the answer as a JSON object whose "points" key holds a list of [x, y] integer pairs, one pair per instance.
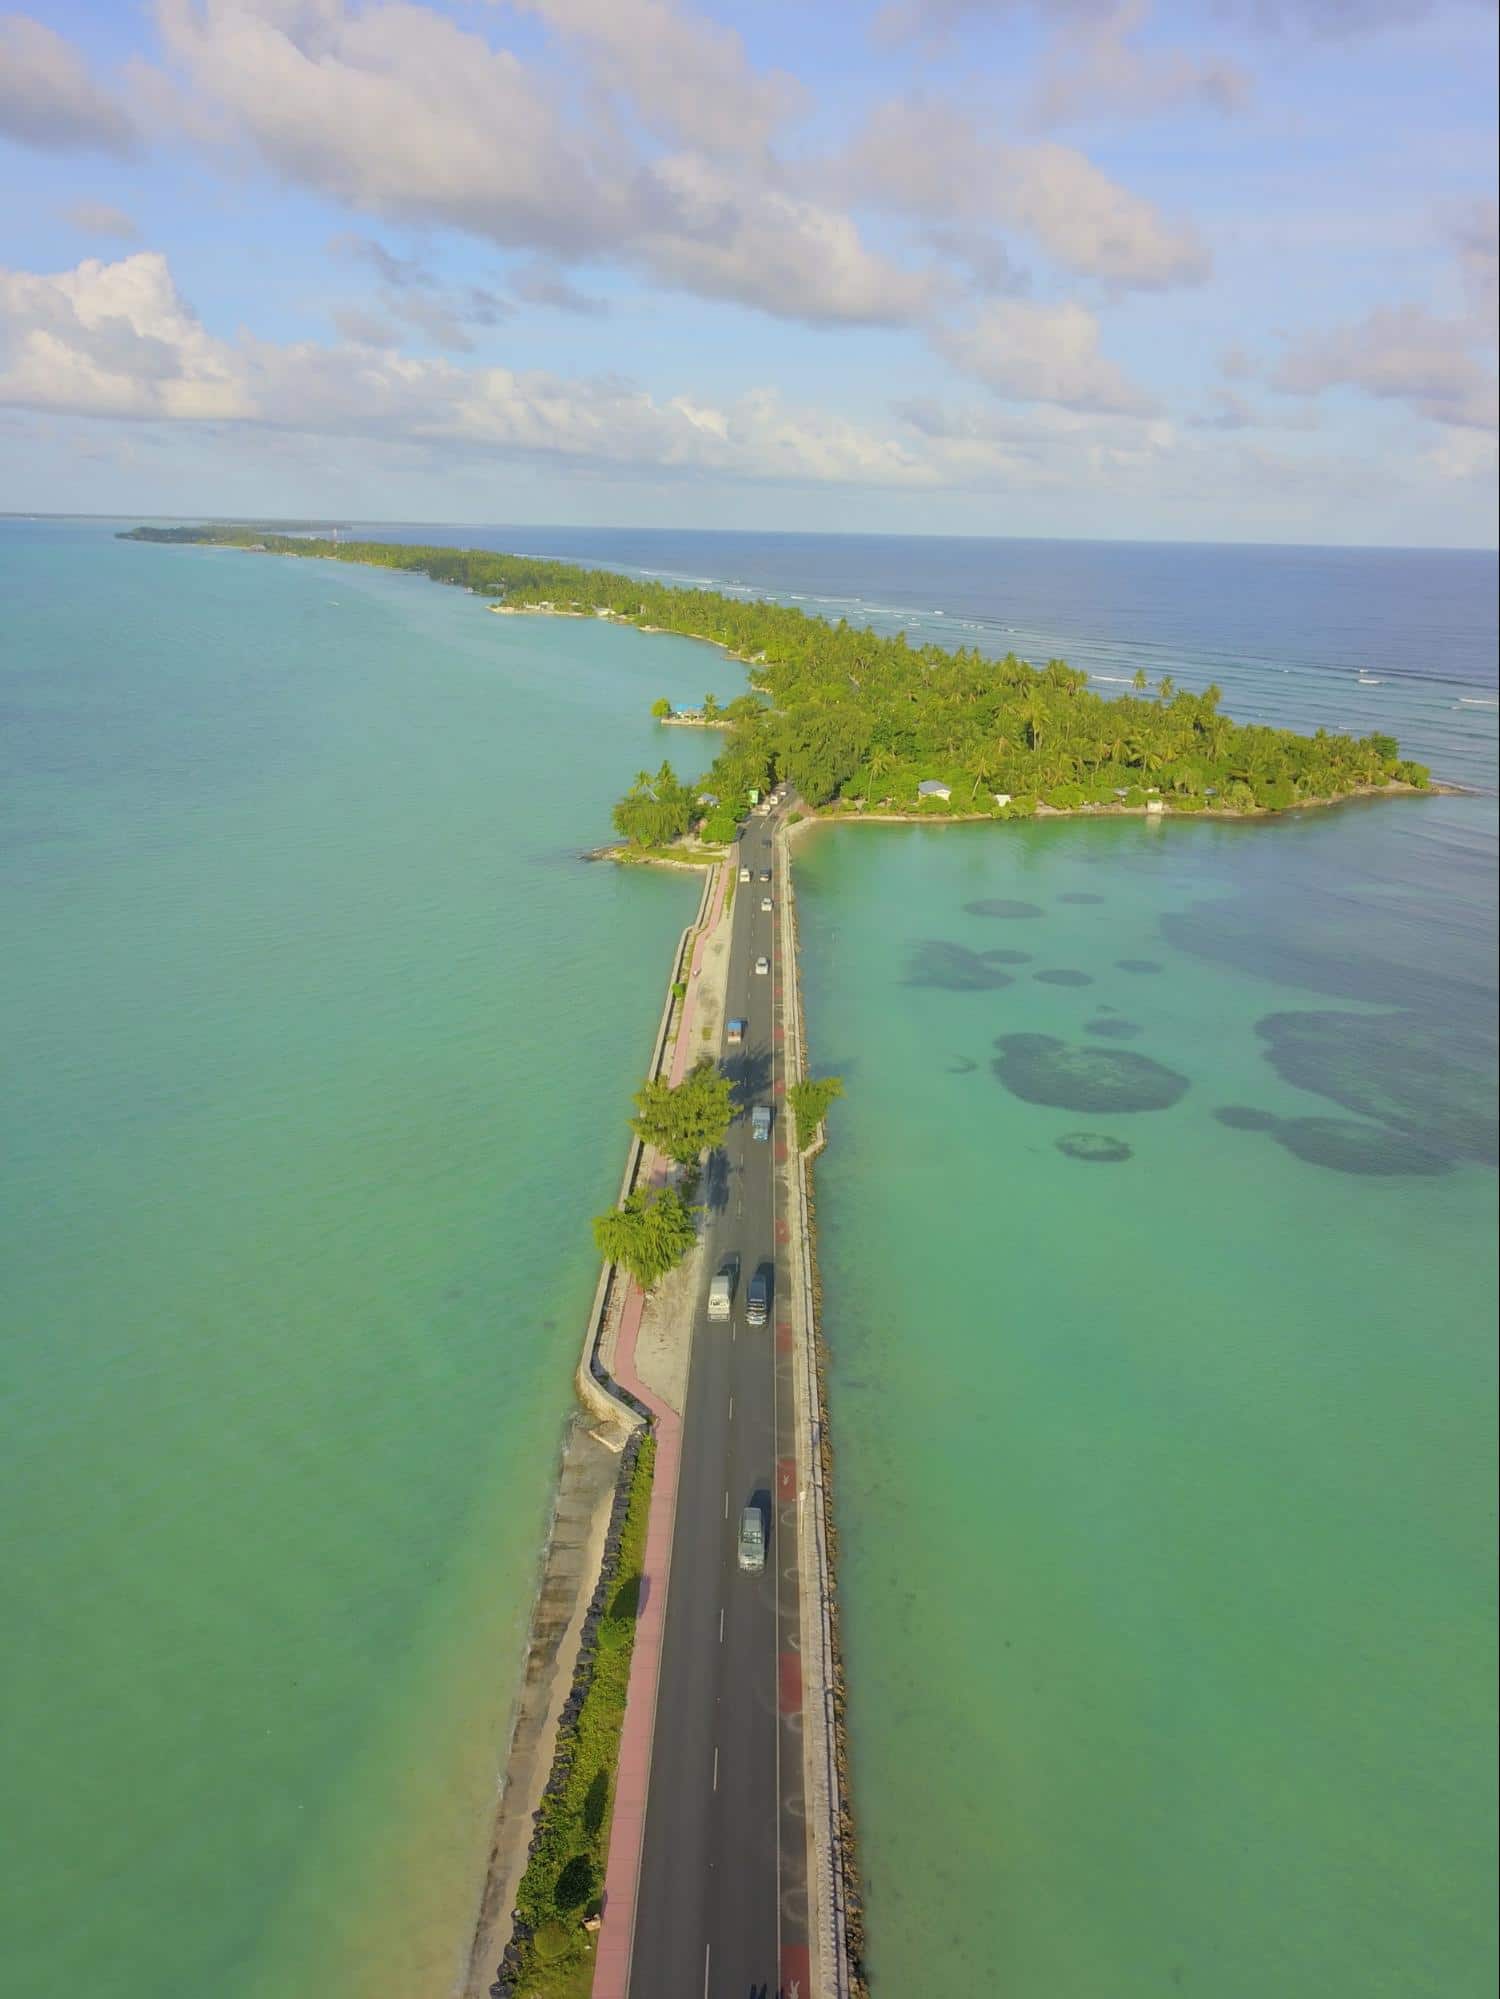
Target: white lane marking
{"points": [[731, 1408], [706, 1949], [716, 1766], [721, 1624], [726, 1506]]}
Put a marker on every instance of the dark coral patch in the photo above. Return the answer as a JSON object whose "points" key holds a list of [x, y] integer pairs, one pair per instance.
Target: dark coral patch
{"points": [[1137, 964], [1342, 1144], [962, 1065], [1042, 1070], [1063, 977], [1094, 1146], [1240, 1117], [1114, 1028], [953, 969], [1412, 1071], [997, 906], [1004, 957], [1348, 1147], [1079, 896]]}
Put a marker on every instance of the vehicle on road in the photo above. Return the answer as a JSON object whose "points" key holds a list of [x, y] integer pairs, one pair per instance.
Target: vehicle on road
{"points": [[744, 874], [721, 1289], [758, 1297], [734, 1033], [765, 874], [760, 1121], [762, 966], [765, 905], [752, 1540]]}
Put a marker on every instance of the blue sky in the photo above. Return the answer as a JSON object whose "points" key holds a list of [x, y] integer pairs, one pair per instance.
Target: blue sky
{"points": [[1095, 268]]}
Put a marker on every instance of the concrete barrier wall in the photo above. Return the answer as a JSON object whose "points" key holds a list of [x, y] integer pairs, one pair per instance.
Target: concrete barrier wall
{"points": [[829, 1825]]}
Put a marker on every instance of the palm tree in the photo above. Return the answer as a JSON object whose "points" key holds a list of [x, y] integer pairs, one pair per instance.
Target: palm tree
{"points": [[1139, 682], [1034, 713], [1166, 687]]}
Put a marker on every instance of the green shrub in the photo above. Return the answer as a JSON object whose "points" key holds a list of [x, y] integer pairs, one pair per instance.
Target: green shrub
{"points": [[809, 1103], [1023, 807], [1189, 801], [1065, 797]]}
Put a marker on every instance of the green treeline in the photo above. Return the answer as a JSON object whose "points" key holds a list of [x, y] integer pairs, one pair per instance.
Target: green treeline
{"points": [[856, 719]]}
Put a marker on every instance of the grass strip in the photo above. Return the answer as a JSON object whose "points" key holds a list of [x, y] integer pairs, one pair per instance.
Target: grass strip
{"points": [[561, 1890]]}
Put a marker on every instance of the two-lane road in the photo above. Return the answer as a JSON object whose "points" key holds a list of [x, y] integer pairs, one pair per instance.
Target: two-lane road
{"points": [[721, 1908]]}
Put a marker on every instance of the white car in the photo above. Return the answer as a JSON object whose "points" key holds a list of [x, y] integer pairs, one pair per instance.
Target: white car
{"points": [[765, 903], [762, 966], [744, 874]]}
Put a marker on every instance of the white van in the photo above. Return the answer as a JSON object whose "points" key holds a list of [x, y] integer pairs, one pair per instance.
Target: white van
{"points": [[721, 1291]]}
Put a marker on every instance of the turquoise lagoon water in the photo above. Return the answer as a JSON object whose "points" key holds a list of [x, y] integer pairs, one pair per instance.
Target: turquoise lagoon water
{"points": [[1165, 1472], [313, 1018], [319, 1039]]}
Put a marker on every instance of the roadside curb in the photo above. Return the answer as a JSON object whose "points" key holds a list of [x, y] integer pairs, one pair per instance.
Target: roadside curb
{"points": [[831, 1877]]}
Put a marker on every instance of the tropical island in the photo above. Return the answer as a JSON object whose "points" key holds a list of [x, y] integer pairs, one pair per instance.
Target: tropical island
{"points": [[863, 724]]}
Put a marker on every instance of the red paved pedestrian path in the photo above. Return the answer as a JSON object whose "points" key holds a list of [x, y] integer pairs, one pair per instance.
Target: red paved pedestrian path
{"points": [[622, 1872]]}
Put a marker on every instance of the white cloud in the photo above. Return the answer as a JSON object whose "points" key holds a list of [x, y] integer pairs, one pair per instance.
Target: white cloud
{"points": [[102, 218], [1096, 67], [925, 157], [686, 77], [1474, 234], [117, 340], [399, 112], [49, 100], [763, 247], [113, 340], [1397, 353], [1042, 353], [541, 282]]}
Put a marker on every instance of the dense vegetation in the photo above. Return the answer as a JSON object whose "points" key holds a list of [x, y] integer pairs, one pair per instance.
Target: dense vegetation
{"points": [[856, 720], [564, 1877], [649, 1233], [809, 1101], [688, 1120]]}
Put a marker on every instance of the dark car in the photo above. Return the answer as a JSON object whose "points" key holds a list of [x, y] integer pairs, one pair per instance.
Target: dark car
{"points": [[765, 874], [758, 1297]]}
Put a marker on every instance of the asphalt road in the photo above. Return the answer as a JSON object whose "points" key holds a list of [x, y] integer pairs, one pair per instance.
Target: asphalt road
{"points": [[722, 1902]]}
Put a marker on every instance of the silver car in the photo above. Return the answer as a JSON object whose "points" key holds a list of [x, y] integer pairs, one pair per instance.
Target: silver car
{"points": [[752, 1540], [762, 966]]}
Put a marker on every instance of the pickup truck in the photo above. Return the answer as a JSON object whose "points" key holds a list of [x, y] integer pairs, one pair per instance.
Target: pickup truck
{"points": [[760, 1121]]}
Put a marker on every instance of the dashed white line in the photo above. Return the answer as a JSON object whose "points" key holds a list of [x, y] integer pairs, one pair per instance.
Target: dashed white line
{"points": [[726, 1505], [706, 1949], [731, 1408], [721, 1624], [716, 1766]]}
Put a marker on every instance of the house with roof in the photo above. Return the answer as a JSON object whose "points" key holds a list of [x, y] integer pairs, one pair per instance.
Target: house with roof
{"points": [[930, 788]]}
